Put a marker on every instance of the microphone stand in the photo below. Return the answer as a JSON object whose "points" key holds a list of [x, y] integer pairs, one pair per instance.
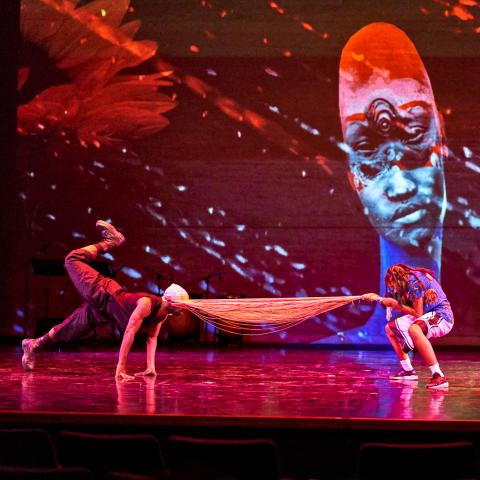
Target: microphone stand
{"points": [[206, 279], [159, 277]]}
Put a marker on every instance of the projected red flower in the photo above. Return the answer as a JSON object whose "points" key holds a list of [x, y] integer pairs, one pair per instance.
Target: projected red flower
{"points": [[91, 47]]}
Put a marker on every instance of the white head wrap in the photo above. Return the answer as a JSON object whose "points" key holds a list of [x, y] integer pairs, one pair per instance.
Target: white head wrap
{"points": [[175, 293]]}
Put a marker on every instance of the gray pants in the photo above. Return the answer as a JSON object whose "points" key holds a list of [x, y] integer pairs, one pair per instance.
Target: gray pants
{"points": [[95, 289]]}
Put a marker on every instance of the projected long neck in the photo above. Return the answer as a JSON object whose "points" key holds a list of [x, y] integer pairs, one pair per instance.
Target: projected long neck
{"points": [[428, 257], [391, 253]]}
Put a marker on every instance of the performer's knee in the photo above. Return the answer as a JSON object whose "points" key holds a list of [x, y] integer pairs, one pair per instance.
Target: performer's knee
{"points": [[80, 254], [415, 331]]}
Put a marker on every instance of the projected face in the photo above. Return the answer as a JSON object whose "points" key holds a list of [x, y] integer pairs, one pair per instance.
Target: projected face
{"points": [[395, 160], [392, 128]]}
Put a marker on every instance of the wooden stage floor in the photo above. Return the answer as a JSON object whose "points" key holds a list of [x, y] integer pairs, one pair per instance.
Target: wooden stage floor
{"points": [[247, 386]]}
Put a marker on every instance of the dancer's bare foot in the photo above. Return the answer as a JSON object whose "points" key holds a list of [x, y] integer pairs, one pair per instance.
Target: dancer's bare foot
{"points": [[123, 376]]}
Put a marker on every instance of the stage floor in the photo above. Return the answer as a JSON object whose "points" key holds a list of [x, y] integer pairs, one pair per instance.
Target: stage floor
{"points": [[247, 386]]}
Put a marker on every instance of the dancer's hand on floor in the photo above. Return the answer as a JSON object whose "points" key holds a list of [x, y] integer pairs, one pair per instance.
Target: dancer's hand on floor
{"points": [[149, 372], [371, 297]]}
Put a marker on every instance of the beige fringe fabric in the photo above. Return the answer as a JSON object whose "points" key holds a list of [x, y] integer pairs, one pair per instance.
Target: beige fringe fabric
{"points": [[259, 316]]}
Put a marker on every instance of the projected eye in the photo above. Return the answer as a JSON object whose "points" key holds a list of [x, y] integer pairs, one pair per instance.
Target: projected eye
{"points": [[415, 134], [364, 147]]}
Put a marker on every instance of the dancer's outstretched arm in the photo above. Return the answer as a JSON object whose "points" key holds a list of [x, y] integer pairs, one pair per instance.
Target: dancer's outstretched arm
{"points": [[152, 336], [416, 309], [142, 310], [371, 297]]}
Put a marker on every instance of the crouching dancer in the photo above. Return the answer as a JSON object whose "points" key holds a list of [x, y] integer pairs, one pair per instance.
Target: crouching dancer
{"points": [[426, 314], [106, 302]]}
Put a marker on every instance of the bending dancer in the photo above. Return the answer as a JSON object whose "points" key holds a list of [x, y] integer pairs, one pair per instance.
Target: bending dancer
{"points": [[107, 302], [427, 314]]}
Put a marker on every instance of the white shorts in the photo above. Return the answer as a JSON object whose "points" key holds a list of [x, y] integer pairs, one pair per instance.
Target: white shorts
{"points": [[432, 325]]}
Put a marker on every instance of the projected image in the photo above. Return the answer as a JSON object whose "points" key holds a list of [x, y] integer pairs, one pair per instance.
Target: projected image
{"points": [[396, 147], [99, 105], [224, 140]]}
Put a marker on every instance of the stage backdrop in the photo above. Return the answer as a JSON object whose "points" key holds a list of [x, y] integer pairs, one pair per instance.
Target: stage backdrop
{"points": [[252, 148]]}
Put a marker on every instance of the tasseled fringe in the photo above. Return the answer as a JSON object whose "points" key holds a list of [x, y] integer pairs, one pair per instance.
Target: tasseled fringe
{"points": [[260, 316]]}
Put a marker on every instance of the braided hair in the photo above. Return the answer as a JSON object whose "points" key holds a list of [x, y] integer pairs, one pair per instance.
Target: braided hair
{"points": [[398, 274]]}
